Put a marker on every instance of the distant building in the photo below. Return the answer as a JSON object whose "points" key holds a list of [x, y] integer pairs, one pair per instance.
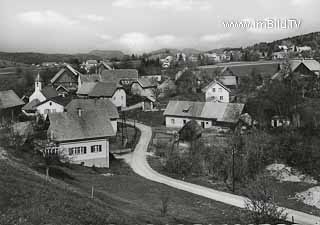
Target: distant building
{"points": [[143, 87], [216, 91], [10, 106], [279, 55], [83, 137], [207, 114], [102, 66]]}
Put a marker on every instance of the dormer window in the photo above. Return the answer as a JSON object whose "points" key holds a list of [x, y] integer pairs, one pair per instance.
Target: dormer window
{"points": [[186, 109]]}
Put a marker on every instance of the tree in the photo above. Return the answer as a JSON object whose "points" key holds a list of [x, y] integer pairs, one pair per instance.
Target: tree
{"points": [[261, 206]]}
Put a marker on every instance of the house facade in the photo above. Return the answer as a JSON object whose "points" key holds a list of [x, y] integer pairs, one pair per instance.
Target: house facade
{"points": [[67, 77], [216, 91], [82, 137], [206, 114], [10, 106], [52, 105]]}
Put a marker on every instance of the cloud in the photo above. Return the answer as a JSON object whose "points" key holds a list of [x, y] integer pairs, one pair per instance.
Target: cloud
{"points": [[215, 37], [95, 18], [47, 17], [105, 37], [178, 5]]}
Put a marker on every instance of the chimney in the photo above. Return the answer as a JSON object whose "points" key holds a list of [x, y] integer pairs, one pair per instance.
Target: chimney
{"points": [[79, 112]]}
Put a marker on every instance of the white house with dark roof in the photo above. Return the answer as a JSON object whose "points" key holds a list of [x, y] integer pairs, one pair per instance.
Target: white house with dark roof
{"points": [[104, 90], [207, 114], [216, 91], [81, 136], [103, 106], [52, 105]]}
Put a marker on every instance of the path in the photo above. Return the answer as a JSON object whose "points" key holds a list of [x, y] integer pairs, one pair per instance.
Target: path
{"points": [[138, 162]]}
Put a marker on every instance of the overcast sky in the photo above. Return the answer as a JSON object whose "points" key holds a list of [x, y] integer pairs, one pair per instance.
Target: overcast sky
{"points": [[73, 26]]}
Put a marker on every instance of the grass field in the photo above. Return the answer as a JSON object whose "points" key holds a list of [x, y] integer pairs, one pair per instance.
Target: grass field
{"points": [[120, 197]]}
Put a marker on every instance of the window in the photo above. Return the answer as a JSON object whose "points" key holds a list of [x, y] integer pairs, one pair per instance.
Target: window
{"points": [[172, 121], [221, 98], [220, 89], [78, 150], [184, 121], [96, 148], [50, 103], [213, 90], [46, 111], [121, 97]]}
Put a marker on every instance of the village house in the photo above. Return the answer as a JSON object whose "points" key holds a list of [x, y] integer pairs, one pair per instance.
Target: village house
{"points": [[82, 137], [207, 114], [52, 105], [120, 76], [10, 106], [103, 106], [216, 91], [143, 87], [67, 77], [104, 90], [152, 77]]}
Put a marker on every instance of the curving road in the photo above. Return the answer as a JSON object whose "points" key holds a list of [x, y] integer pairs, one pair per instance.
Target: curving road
{"points": [[138, 162]]}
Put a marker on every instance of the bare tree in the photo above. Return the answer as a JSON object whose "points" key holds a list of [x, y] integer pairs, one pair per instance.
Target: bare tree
{"points": [[261, 206]]}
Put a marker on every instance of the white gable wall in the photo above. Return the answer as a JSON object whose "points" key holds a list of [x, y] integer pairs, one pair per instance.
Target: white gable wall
{"points": [[49, 107], [217, 92], [179, 122], [119, 98], [37, 95]]}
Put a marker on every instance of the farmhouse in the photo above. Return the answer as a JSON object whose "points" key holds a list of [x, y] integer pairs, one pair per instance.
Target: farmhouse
{"points": [[143, 87], [83, 137], [52, 105], [10, 106], [67, 77], [105, 90], [103, 106], [207, 114], [216, 91]]}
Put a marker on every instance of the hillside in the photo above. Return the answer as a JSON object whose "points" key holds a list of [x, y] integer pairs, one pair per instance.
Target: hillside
{"points": [[38, 58], [120, 197], [107, 54]]}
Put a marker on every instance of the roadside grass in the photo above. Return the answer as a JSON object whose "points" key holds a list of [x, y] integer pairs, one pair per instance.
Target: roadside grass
{"points": [[285, 191]]}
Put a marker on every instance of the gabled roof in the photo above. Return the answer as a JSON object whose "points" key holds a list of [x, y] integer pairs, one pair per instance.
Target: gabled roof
{"points": [[9, 99], [94, 105], [70, 126], [31, 105], [222, 112], [62, 87], [58, 99], [145, 83], [214, 83], [86, 88], [49, 92], [66, 67], [228, 80], [105, 65], [311, 64], [104, 89], [117, 75]]}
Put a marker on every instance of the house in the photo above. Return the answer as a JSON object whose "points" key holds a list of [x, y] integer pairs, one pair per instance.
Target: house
{"points": [[82, 137], [216, 91], [143, 87], [120, 76], [10, 106], [207, 114], [102, 66], [103, 106], [52, 105], [230, 82], [104, 90], [279, 55], [167, 87], [67, 77], [154, 77], [280, 121]]}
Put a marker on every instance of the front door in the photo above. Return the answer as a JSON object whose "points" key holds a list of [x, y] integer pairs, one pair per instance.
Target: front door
{"points": [[202, 124]]}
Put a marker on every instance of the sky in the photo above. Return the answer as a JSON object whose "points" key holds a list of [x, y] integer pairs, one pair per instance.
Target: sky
{"points": [[137, 26]]}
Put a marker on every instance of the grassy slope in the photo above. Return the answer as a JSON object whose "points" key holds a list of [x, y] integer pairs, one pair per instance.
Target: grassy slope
{"points": [[25, 198]]}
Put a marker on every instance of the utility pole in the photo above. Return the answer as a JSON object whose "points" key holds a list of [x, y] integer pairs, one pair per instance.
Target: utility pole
{"points": [[233, 180]]}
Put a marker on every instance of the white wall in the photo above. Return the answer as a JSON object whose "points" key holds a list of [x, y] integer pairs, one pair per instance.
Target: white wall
{"points": [[215, 92], [99, 159], [114, 124], [119, 98], [51, 106], [37, 95], [178, 122]]}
